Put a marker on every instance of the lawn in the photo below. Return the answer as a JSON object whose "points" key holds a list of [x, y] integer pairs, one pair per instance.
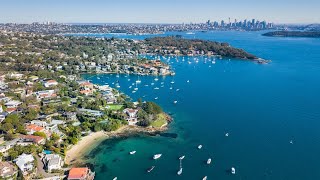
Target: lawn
{"points": [[115, 107], [160, 121]]}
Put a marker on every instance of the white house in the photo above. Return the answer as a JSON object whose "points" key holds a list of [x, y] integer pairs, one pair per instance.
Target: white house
{"points": [[50, 83], [132, 115], [53, 162], [25, 163], [12, 104]]}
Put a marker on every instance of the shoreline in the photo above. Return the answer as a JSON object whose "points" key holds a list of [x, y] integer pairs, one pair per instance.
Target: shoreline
{"points": [[87, 143]]}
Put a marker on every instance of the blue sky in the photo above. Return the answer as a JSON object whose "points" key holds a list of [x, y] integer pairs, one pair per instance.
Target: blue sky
{"points": [[156, 11]]}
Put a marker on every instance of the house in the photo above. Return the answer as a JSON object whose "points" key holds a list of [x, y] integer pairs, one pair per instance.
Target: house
{"points": [[32, 128], [86, 92], [33, 139], [33, 78], [53, 162], [80, 174], [45, 94], [8, 145], [89, 112], [8, 170], [71, 116], [25, 163], [131, 115], [12, 104], [50, 83]]}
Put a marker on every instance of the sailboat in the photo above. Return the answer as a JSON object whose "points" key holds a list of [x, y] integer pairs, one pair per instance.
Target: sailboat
{"points": [[180, 170], [138, 81]]}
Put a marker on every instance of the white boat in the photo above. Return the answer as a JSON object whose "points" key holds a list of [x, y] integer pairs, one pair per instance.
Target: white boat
{"points": [[291, 142], [175, 102], [157, 156], [156, 98], [204, 178], [178, 90], [156, 79], [156, 88], [190, 33], [133, 91], [118, 86], [171, 88], [200, 146], [180, 171], [115, 178], [149, 170], [209, 161], [188, 81], [233, 170], [98, 78], [130, 87], [136, 89], [227, 134], [181, 157], [133, 152], [172, 82], [138, 81]]}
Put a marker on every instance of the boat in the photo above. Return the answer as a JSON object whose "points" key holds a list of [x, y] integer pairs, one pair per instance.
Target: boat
{"points": [[98, 77], [209, 161], [156, 98], [291, 142], [133, 152], [149, 170], [156, 88], [190, 33], [152, 84], [233, 170], [130, 87], [178, 90], [170, 87], [136, 89], [172, 82], [188, 81], [138, 81], [204, 178], [181, 157], [157, 156], [156, 79], [133, 91], [200, 146], [227, 134], [175, 102], [180, 170]]}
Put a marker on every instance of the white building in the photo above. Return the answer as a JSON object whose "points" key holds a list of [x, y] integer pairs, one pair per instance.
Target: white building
{"points": [[25, 163], [50, 83], [132, 116], [12, 104], [53, 162]]}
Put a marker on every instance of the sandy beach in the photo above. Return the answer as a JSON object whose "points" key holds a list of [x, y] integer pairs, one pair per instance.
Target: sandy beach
{"points": [[75, 153]]}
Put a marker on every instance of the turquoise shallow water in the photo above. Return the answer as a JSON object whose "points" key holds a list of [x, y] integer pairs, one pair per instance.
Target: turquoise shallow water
{"points": [[262, 107]]}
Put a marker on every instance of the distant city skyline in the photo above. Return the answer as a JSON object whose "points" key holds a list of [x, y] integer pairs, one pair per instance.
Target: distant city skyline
{"points": [[165, 11]]}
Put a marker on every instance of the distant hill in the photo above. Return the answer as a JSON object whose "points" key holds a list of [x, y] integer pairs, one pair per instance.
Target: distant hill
{"points": [[310, 34]]}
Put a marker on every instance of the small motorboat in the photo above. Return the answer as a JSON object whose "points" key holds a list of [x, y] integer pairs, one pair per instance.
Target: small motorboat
{"points": [[115, 178], [200, 146], [133, 152], [156, 88], [157, 156], [181, 157], [233, 170], [209, 161], [150, 169], [180, 171], [204, 178], [227, 134], [175, 102]]}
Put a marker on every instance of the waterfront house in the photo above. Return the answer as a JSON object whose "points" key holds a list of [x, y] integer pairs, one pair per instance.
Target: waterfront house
{"points": [[8, 170], [80, 174], [131, 115], [25, 162], [53, 162]]}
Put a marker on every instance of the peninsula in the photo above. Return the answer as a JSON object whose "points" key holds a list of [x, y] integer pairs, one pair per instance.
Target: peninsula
{"points": [[308, 34]]}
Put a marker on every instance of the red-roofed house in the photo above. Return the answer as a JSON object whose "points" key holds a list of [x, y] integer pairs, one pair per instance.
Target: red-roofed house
{"points": [[34, 139], [32, 128], [80, 174], [50, 83]]}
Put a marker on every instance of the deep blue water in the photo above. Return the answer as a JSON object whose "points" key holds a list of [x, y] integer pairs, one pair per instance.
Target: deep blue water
{"points": [[262, 107]]}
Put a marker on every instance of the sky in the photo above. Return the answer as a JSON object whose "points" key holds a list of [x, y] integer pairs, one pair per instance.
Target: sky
{"points": [[158, 11]]}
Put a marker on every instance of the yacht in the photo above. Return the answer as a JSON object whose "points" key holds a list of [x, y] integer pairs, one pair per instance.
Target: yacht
{"points": [[175, 102], [133, 152], [157, 156], [178, 90], [209, 161], [181, 157], [172, 82], [227, 134], [156, 79], [138, 81], [130, 87], [98, 77], [170, 87], [156, 98], [188, 81], [156, 88], [152, 84], [180, 170], [149, 170], [136, 89], [115, 178], [204, 178], [233, 170], [190, 33], [133, 91], [200, 146]]}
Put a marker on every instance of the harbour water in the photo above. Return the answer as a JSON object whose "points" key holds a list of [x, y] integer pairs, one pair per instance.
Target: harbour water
{"points": [[271, 113]]}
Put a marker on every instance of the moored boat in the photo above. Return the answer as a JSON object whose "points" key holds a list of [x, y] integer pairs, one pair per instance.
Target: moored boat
{"points": [[209, 161], [200, 146], [133, 152], [150, 169], [157, 156]]}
